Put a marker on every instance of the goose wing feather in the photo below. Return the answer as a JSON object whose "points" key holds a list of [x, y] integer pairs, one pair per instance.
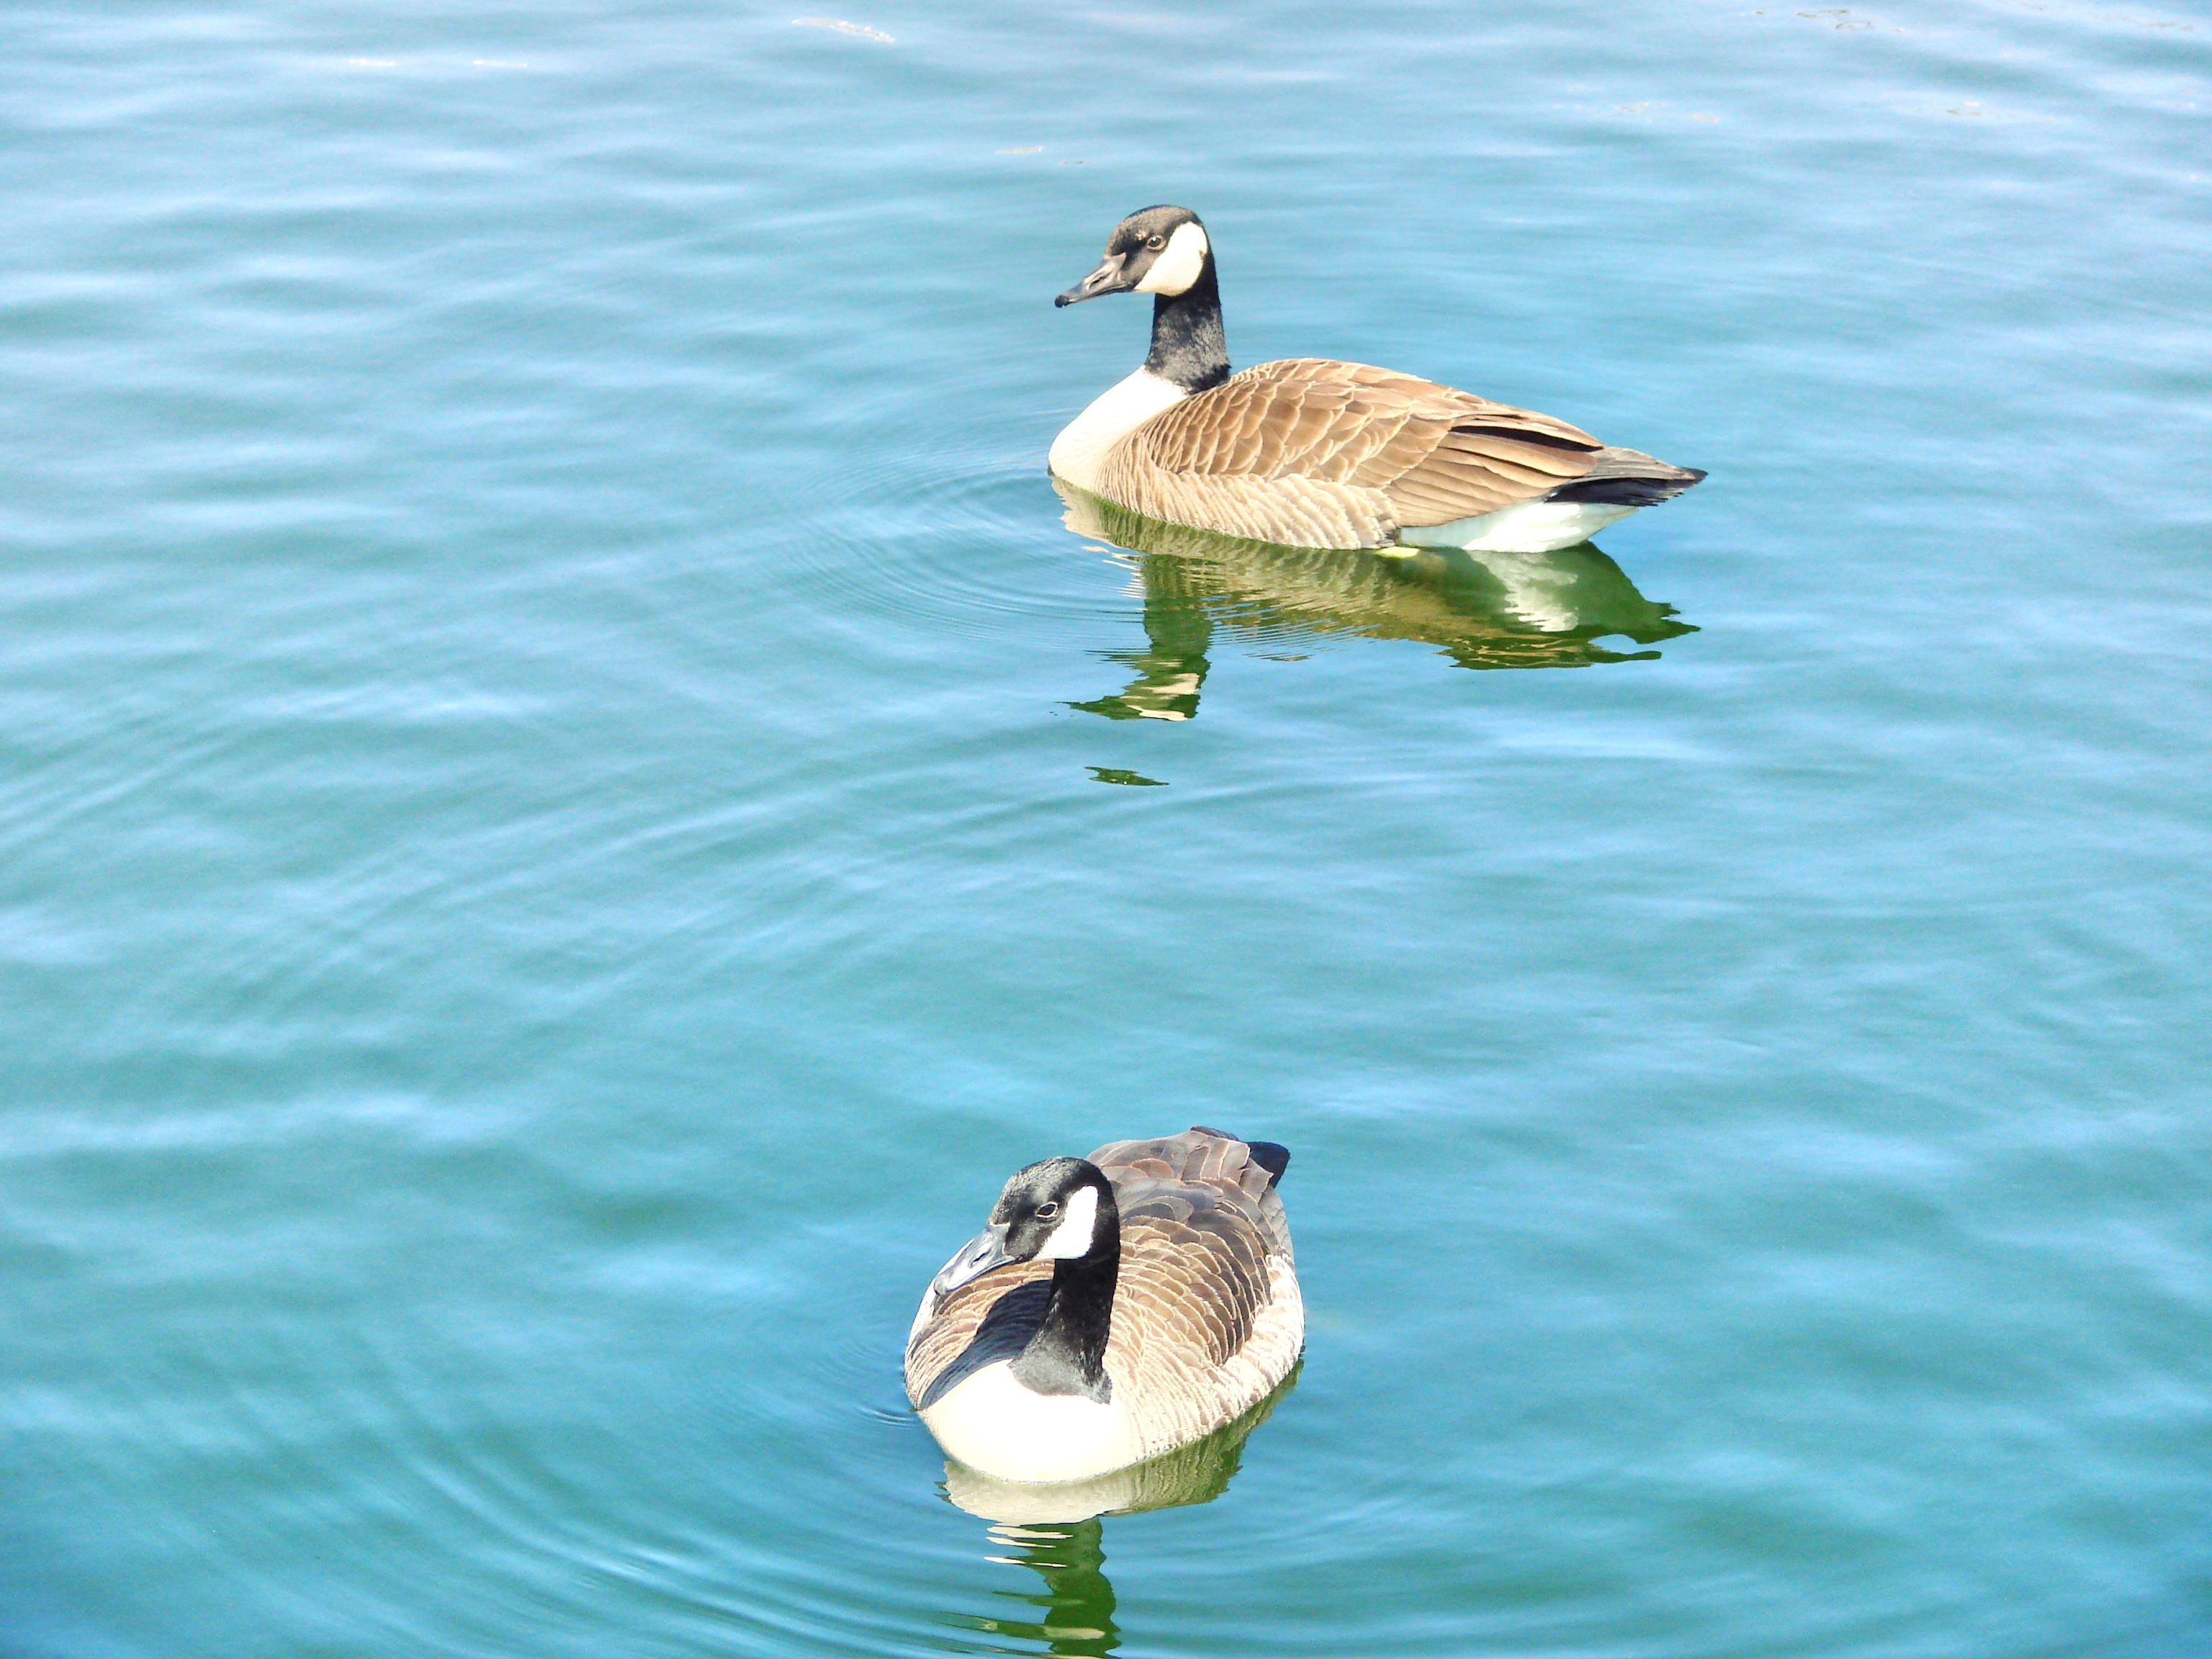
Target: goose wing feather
{"points": [[1207, 1315], [947, 1324], [1198, 1161], [1351, 452]]}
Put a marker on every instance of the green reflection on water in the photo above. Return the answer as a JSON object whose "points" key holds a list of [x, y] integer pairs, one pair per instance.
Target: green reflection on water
{"points": [[1057, 1532], [1075, 1613], [1483, 609]]}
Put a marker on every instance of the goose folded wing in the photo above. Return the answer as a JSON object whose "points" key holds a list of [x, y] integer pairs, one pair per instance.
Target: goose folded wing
{"points": [[947, 1330], [1435, 452], [1194, 1279], [1200, 1157]]}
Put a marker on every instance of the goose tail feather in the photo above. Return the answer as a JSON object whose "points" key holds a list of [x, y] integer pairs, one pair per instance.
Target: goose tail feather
{"points": [[1269, 1155], [1627, 478]]}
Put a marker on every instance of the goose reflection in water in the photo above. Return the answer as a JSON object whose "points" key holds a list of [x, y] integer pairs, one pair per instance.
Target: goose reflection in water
{"points": [[1058, 1533], [1484, 609]]}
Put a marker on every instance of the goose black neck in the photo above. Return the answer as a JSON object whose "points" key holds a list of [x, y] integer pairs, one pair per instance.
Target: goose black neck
{"points": [[1067, 1355], [1188, 345]]}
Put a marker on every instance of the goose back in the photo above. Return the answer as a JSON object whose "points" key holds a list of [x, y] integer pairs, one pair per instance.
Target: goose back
{"points": [[1312, 452]]}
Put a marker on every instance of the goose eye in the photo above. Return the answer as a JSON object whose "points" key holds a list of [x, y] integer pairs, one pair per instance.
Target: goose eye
{"points": [[1156, 241], [1049, 1209]]}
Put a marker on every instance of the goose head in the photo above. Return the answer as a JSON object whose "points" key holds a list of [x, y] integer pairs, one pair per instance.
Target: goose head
{"points": [[1058, 1210], [1155, 250]]}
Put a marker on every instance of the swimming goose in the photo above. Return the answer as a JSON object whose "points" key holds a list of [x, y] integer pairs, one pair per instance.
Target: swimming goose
{"points": [[1308, 452], [1115, 1308]]}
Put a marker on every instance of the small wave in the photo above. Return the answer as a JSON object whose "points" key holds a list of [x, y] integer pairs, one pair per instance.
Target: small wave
{"points": [[967, 543]]}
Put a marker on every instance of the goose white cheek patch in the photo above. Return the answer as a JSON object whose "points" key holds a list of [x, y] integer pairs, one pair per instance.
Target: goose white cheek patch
{"points": [[1179, 263], [1072, 1238]]}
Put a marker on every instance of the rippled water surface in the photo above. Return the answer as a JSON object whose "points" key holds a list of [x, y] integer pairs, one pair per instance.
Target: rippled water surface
{"points": [[571, 801]]}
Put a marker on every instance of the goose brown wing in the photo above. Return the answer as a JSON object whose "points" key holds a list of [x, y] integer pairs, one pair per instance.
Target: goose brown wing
{"points": [[1194, 1279], [1435, 452], [945, 1332], [1199, 1221]]}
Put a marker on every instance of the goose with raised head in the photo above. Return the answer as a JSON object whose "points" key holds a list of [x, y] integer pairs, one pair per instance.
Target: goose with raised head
{"points": [[1115, 1308], [1311, 452]]}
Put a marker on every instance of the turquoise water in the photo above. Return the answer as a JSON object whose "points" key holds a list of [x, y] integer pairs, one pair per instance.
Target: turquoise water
{"points": [[569, 807]]}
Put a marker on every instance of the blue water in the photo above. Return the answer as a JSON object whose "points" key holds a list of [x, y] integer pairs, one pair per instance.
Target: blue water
{"points": [[569, 807]]}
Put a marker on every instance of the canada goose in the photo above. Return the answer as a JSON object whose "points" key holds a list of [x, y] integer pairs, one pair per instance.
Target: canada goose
{"points": [[1115, 1308], [1308, 452]]}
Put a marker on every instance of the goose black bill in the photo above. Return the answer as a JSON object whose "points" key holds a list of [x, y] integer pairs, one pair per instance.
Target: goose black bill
{"points": [[1111, 277]]}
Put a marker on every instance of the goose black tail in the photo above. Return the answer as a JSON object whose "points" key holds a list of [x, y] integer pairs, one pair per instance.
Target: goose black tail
{"points": [[1627, 478], [1270, 1156]]}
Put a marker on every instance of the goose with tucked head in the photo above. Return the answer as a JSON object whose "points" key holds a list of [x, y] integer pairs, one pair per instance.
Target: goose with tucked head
{"points": [[1114, 1308], [1308, 451]]}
